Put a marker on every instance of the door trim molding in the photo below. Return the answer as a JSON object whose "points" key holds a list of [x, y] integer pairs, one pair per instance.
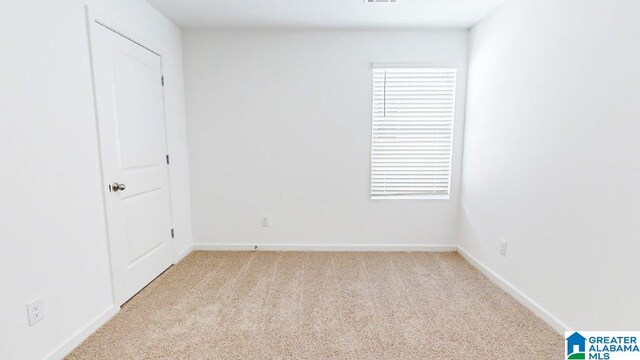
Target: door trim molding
{"points": [[99, 17]]}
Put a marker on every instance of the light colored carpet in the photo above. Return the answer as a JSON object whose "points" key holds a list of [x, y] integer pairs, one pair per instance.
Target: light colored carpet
{"points": [[321, 305]]}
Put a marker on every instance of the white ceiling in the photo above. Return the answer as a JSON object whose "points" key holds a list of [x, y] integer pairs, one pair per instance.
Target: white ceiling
{"points": [[324, 14]]}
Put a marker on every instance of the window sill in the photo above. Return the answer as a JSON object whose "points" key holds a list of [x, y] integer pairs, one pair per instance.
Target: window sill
{"points": [[410, 197]]}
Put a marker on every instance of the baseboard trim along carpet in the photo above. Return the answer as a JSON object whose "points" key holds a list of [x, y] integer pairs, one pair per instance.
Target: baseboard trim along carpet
{"points": [[520, 296], [319, 305], [323, 247], [516, 293], [555, 323], [183, 254], [77, 338]]}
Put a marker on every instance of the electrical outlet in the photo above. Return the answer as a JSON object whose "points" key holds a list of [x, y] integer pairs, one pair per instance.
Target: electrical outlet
{"points": [[503, 247], [265, 221], [35, 311]]}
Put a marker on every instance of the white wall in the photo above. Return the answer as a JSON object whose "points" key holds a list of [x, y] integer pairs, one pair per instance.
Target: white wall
{"points": [[52, 223], [551, 156], [279, 124]]}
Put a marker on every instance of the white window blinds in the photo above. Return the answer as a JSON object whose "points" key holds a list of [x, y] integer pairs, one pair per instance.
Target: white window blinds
{"points": [[412, 133]]}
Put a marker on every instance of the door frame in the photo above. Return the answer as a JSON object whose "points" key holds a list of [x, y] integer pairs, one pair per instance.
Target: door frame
{"points": [[97, 18]]}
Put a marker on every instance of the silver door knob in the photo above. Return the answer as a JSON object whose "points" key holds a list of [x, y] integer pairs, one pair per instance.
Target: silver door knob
{"points": [[115, 187]]}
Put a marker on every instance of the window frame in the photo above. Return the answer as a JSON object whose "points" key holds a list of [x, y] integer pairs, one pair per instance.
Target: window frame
{"points": [[446, 196]]}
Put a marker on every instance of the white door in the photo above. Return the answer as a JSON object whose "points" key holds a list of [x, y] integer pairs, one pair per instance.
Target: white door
{"points": [[130, 107]]}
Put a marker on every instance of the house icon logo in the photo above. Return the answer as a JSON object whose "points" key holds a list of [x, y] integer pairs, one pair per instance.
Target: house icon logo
{"points": [[576, 346]]}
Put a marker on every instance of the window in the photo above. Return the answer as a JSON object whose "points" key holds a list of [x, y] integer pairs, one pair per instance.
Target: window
{"points": [[412, 133]]}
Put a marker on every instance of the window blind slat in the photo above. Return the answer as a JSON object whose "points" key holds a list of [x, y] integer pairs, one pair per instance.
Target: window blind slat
{"points": [[412, 132]]}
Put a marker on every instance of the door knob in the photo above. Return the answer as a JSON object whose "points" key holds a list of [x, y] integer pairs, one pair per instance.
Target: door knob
{"points": [[115, 187]]}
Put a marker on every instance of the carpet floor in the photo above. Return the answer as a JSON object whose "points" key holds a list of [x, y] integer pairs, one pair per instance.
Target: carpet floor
{"points": [[322, 305]]}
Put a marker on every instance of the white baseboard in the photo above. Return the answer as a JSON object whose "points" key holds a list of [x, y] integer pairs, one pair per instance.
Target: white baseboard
{"points": [[77, 338], [184, 254], [521, 297], [323, 247]]}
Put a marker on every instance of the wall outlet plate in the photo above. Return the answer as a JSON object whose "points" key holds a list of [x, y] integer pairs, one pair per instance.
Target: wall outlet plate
{"points": [[503, 247], [265, 221], [35, 311]]}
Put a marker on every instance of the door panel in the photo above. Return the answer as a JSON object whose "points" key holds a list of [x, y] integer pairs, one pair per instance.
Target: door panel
{"points": [[142, 233], [140, 133], [132, 133]]}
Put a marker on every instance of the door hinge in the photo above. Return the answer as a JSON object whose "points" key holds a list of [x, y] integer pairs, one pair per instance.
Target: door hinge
{"points": [[162, 80], [167, 159], [173, 235]]}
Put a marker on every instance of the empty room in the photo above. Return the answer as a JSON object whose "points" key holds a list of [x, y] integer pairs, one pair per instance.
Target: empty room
{"points": [[340, 179]]}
